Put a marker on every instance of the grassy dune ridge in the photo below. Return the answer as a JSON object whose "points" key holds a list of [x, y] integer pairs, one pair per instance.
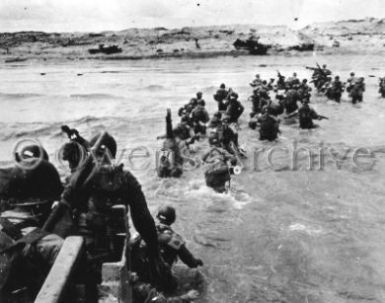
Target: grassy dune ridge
{"points": [[351, 36]]}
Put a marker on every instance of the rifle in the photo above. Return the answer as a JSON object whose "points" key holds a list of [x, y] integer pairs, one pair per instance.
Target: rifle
{"points": [[79, 179], [169, 131], [293, 114], [320, 117], [280, 76], [73, 135]]}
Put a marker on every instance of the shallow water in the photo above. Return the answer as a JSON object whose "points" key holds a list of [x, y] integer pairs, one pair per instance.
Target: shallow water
{"points": [[280, 236]]}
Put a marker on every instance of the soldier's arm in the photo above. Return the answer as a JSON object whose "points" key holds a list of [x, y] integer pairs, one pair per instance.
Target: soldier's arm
{"points": [[207, 117], [141, 217], [208, 154], [76, 192], [241, 109], [313, 114], [144, 292], [187, 257]]}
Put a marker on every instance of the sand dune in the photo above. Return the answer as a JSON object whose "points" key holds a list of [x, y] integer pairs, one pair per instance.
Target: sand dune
{"points": [[366, 35]]}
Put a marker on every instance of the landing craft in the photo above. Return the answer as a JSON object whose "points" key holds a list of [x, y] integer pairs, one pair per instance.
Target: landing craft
{"points": [[252, 45], [112, 49]]}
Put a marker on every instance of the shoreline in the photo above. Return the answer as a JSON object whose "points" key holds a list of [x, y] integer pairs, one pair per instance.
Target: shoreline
{"points": [[366, 36], [11, 59]]}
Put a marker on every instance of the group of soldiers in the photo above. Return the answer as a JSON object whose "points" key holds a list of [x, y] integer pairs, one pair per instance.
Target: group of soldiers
{"points": [[38, 211], [333, 88], [225, 154], [291, 99], [195, 125]]}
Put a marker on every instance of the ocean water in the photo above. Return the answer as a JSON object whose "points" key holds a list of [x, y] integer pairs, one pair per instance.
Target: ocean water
{"points": [[283, 234]]}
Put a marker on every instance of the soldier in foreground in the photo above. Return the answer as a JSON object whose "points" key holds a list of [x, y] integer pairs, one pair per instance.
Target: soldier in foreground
{"points": [[172, 245], [91, 193], [146, 293], [27, 251]]}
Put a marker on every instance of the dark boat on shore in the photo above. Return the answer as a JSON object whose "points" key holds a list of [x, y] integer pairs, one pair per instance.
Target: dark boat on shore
{"points": [[252, 45], [17, 59], [108, 50]]}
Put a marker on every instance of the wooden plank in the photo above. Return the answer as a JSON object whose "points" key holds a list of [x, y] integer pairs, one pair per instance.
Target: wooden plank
{"points": [[59, 275]]}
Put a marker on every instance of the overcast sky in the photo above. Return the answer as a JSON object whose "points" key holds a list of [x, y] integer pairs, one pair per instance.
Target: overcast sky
{"points": [[99, 15]]}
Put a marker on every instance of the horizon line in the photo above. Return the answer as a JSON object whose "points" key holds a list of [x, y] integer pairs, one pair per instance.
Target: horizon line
{"points": [[190, 26]]}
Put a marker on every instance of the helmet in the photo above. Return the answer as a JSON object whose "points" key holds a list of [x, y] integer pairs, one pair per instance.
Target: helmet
{"points": [[32, 151], [234, 96], [166, 214], [280, 97], [226, 118], [107, 142], [233, 161], [41, 182], [193, 102], [218, 115]]}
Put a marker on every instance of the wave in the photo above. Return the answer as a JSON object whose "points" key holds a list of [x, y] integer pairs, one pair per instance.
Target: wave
{"points": [[210, 88], [95, 96], [38, 129], [18, 95], [111, 72], [87, 119], [154, 87], [21, 96]]}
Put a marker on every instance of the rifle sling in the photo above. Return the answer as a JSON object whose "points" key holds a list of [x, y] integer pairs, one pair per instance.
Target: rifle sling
{"points": [[29, 238]]}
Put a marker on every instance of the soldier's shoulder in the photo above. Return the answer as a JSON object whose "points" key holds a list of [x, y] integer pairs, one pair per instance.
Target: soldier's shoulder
{"points": [[171, 238], [176, 241]]}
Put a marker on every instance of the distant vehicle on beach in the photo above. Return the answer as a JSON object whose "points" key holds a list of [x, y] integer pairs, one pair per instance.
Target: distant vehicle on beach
{"points": [[11, 60], [111, 49], [252, 45]]}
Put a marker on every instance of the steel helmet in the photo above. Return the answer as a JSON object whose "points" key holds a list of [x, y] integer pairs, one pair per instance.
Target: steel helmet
{"points": [[107, 142], [166, 214]]}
